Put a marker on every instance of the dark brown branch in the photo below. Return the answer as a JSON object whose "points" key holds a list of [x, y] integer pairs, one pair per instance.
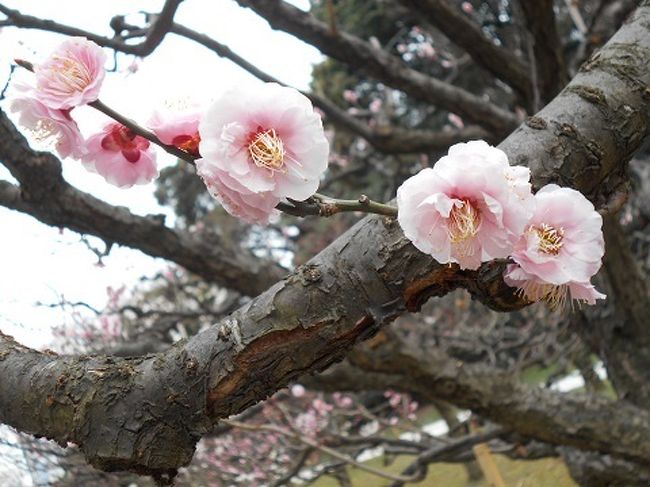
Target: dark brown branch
{"points": [[440, 453], [154, 34], [459, 29], [45, 195], [550, 68], [382, 66]]}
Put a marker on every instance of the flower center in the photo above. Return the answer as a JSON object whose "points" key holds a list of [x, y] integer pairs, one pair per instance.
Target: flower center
{"points": [[124, 140], [188, 143], [464, 221], [550, 238], [73, 75], [267, 150]]}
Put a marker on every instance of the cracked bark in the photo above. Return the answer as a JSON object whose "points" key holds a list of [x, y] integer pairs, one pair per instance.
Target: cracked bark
{"points": [[146, 414]]}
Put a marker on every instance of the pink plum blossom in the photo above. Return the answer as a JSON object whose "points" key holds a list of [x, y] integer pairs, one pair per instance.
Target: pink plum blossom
{"points": [[470, 208], [120, 156], [260, 146], [560, 250], [50, 125], [72, 75], [179, 129]]}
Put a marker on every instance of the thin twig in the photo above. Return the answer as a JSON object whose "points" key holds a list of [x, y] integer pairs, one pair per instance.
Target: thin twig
{"points": [[314, 444]]}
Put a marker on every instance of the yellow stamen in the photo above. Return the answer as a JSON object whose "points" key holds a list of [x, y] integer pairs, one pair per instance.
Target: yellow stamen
{"points": [[462, 226], [554, 295], [267, 150], [74, 75], [550, 238], [464, 221], [44, 129]]}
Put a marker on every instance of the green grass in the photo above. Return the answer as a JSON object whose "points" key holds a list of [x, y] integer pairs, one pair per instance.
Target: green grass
{"points": [[548, 472]]}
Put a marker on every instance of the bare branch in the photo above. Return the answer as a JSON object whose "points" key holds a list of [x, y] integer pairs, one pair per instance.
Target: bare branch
{"points": [[388, 141], [154, 35], [460, 30], [550, 68], [384, 67]]}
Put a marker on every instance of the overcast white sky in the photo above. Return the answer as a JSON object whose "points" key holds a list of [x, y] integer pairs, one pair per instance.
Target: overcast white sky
{"points": [[40, 263]]}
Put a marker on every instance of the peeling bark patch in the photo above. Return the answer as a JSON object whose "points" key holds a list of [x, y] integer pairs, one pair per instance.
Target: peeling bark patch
{"points": [[260, 367], [434, 283], [591, 94], [309, 273], [537, 123]]}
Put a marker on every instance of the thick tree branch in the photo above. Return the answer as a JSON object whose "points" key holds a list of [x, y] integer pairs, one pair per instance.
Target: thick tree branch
{"points": [[460, 30], [382, 66], [45, 195], [361, 282]]}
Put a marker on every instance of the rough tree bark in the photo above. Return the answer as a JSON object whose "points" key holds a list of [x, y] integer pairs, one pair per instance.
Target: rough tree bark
{"points": [[146, 414]]}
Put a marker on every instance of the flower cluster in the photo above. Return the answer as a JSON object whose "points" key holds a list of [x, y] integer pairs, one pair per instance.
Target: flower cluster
{"points": [[472, 207], [260, 147], [71, 77]]}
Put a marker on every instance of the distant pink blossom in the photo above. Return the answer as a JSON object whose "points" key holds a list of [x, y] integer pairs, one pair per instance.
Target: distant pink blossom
{"points": [[72, 75], [375, 106], [261, 146], [426, 50], [560, 250], [180, 129], [120, 156], [456, 120], [350, 96], [297, 390], [467, 7], [50, 125], [470, 208]]}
